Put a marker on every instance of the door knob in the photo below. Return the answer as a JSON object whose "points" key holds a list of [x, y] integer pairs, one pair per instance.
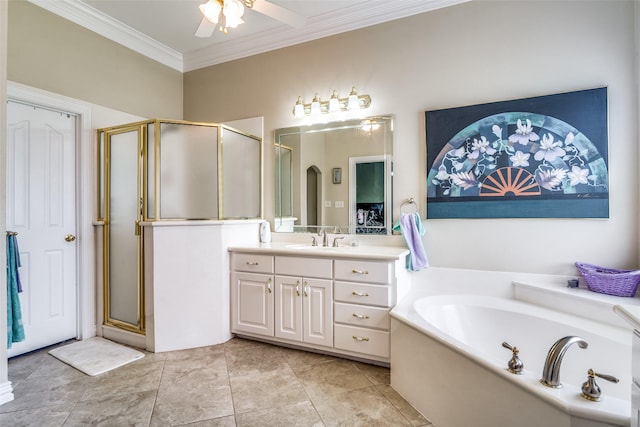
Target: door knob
{"points": [[69, 238]]}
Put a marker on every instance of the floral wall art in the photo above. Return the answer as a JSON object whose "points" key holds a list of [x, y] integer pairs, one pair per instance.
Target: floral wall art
{"points": [[541, 157]]}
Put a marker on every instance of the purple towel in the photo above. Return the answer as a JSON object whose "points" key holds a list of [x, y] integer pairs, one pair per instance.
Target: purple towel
{"points": [[411, 229]]}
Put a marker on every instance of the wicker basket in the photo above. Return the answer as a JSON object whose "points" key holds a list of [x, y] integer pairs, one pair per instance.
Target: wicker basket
{"points": [[621, 283]]}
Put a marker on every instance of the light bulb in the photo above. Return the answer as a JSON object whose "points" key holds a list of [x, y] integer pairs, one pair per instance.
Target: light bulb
{"points": [[353, 103], [315, 106], [298, 109], [233, 11], [334, 103], [211, 10]]}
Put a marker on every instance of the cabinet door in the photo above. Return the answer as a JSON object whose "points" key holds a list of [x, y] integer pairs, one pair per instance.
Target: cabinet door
{"points": [[252, 303], [289, 307], [318, 312]]}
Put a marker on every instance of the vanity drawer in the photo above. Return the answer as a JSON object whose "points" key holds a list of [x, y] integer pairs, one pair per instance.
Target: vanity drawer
{"points": [[364, 271], [360, 293], [253, 263], [361, 340], [304, 267], [361, 315]]}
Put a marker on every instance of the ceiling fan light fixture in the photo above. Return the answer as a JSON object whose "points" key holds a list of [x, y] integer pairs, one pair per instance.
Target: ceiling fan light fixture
{"points": [[233, 11], [211, 10]]}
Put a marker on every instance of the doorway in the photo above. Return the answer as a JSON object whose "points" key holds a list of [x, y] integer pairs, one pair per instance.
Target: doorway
{"points": [[314, 181], [41, 208]]}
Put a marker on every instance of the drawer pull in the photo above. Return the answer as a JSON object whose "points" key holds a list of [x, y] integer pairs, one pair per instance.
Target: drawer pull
{"points": [[360, 294], [357, 338], [269, 285], [298, 288], [359, 271], [360, 316], [306, 289], [253, 263]]}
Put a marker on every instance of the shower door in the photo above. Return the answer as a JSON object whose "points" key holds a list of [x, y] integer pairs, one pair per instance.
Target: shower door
{"points": [[121, 209]]}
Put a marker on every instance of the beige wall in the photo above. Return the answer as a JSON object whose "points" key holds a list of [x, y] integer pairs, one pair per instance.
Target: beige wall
{"points": [[471, 53], [51, 53]]}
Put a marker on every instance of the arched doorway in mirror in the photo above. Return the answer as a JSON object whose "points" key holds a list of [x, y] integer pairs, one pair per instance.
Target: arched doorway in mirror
{"points": [[314, 181]]}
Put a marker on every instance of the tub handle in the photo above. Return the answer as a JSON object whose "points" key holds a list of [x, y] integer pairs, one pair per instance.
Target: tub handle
{"points": [[591, 390], [360, 294], [357, 338], [360, 316], [515, 365]]}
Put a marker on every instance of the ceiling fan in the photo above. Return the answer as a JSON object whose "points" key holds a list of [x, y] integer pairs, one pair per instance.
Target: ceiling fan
{"points": [[228, 13]]}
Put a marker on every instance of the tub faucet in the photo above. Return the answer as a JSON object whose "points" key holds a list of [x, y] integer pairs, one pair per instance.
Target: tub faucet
{"points": [[551, 371]]}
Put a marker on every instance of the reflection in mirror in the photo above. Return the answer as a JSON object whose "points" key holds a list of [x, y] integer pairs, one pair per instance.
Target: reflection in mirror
{"points": [[284, 185], [336, 176]]}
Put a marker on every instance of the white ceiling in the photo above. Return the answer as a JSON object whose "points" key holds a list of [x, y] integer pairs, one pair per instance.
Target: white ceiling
{"points": [[164, 29]]}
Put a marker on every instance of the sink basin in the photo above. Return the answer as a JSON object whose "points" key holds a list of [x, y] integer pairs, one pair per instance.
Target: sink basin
{"points": [[309, 246]]}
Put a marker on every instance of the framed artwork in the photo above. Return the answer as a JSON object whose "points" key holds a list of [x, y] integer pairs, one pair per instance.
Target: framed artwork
{"points": [[337, 175], [541, 157]]}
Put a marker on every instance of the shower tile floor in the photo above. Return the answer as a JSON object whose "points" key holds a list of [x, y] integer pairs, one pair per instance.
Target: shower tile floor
{"points": [[238, 383]]}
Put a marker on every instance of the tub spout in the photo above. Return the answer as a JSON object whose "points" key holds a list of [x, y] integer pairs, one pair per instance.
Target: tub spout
{"points": [[551, 371]]}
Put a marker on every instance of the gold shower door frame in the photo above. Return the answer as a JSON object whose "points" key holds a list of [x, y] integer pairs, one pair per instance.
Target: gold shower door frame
{"points": [[104, 209]]}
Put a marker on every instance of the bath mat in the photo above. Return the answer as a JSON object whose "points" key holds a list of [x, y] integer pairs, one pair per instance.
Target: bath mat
{"points": [[96, 355]]}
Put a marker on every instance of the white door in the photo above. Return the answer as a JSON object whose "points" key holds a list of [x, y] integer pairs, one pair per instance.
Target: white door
{"points": [[41, 208]]}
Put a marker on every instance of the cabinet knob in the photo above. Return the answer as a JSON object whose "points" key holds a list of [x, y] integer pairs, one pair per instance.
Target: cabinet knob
{"points": [[357, 338]]}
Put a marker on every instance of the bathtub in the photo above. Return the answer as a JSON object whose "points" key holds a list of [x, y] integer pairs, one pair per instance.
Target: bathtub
{"points": [[447, 361]]}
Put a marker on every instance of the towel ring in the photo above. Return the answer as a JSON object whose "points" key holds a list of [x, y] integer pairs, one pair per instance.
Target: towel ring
{"points": [[411, 203]]}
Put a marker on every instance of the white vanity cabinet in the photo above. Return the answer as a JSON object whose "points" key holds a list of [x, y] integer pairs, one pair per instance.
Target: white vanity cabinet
{"points": [[325, 300], [252, 294]]}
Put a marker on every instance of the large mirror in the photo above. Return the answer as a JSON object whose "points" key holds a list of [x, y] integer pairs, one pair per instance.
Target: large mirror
{"points": [[336, 176]]}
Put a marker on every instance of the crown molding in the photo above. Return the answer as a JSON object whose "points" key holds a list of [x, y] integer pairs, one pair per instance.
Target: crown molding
{"points": [[100, 23], [325, 25], [346, 19]]}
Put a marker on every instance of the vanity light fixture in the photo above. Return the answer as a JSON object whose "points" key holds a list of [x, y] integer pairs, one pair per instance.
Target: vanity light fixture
{"points": [[315, 107], [333, 106]]}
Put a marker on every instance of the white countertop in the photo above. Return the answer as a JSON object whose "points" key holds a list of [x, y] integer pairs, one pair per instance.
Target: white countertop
{"points": [[293, 249], [630, 313]]}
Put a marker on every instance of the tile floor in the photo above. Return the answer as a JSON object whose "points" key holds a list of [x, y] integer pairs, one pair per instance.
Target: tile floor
{"points": [[239, 383]]}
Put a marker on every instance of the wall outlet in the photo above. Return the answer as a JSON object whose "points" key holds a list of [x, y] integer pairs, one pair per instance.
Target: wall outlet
{"points": [[339, 204], [327, 203]]}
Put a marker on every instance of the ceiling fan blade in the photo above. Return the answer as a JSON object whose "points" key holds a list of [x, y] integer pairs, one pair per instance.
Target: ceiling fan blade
{"points": [[279, 13], [205, 29]]}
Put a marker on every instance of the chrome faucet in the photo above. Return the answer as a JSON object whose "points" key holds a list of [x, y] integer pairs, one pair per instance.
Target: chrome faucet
{"points": [[325, 237], [551, 370]]}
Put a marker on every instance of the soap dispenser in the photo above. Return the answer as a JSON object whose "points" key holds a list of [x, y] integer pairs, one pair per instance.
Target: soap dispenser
{"points": [[265, 232]]}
